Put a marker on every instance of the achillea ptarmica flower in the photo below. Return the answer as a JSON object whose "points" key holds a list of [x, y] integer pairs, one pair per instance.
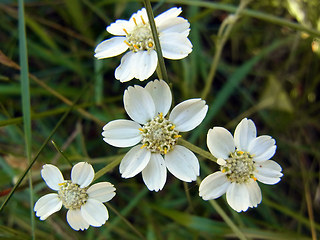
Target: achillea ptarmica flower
{"points": [[156, 133], [85, 204], [243, 160], [141, 61]]}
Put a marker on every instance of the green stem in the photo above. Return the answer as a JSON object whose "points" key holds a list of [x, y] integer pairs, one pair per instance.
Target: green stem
{"points": [[196, 149], [40, 150], [26, 105], [155, 35], [225, 217], [62, 154], [223, 35]]}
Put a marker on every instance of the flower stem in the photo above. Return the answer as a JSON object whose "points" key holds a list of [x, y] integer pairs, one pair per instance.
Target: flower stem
{"points": [[162, 68], [196, 149], [222, 37], [62, 154]]}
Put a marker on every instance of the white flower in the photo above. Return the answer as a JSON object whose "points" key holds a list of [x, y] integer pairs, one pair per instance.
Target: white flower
{"points": [[141, 61], [243, 160], [157, 134], [85, 204]]}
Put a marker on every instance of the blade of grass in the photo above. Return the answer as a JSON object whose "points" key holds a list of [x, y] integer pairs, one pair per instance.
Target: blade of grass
{"points": [[26, 106], [41, 148], [250, 13], [232, 84]]}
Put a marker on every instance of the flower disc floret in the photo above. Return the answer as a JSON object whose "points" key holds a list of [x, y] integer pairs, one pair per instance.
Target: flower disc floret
{"points": [[140, 38], [239, 167], [72, 196], [159, 135]]}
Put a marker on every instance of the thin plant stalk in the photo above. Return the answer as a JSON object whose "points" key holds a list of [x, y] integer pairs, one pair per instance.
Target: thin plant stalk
{"points": [[161, 69], [223, 35], [26, 106]]}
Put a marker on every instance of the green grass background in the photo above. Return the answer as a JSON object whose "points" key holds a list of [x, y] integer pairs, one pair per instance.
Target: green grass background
{"points": [[269, 71]]}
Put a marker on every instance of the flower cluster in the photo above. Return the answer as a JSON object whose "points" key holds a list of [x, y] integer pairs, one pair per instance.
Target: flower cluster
{"points": [[141, 60], [157, 134], [243, 160], [154, 133], [85, 204]]}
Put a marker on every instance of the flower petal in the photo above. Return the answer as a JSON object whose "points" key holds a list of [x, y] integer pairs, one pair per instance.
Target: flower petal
{"points": [[47, 205], [52, 176], [155, 173], [142, 13], [169, 14], [220, 142], [268, 172], [254, 193], [262, 148], [245, 132], [182, 163], [102, 191], [238, 197], [139, 104], [111, 47], [175, 45], [76, 221], [174, 25], [127, 68], [146, 64], [161, 95], [188, 114], [82, 173], [122, 133], [94, 212], [134, 161], [117, 27], [213, 186]]}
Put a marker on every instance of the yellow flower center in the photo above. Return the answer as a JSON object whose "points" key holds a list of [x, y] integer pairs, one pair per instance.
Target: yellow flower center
{"points": [[71, 195], [140, 38], [159, 135], [239, 167]]}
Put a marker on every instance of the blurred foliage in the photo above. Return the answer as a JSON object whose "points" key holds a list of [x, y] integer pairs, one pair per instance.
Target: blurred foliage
{"points": [[268, 72]]}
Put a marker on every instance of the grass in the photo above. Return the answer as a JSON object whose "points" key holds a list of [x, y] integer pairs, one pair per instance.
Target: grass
{"points": [[52, 89]]}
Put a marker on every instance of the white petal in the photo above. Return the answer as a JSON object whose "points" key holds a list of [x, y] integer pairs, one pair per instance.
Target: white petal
{"points": [[127, 68], [175, 45], [245, 132], [47, 205], [102, 191], [161, 95], [254, 193], [139, 104], [169, 14], [82, 173], [174, 25], [188, 114], [52, 176], [111, 47], [268, 172], [94, 212], [220, 142], [122, 133], [155, 173], [146, 64], [117, 27], [262, 148], [182, 163], [140, 14], [238, 197], [76, 221], [213, 186], [134, 161]]}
